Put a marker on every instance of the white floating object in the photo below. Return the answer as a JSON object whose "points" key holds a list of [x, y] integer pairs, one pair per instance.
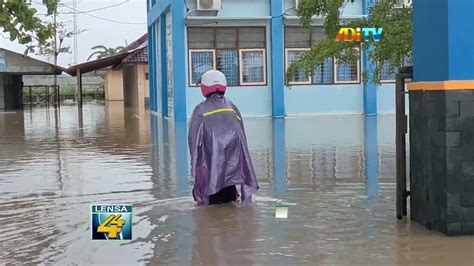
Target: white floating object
{"points": [[281, 212]]}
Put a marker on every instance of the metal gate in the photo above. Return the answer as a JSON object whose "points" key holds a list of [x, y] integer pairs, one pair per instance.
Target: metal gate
{"points": [[405, 73]]}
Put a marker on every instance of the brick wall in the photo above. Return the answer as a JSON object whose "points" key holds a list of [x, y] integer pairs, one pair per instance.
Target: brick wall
{"points": [[442, 160]]}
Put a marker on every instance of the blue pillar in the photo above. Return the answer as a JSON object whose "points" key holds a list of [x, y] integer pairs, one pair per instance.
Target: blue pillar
{"points": [[179, 59], [152, 67], [371, 156], [164, 67], [277, 57], [157, 12], [451, 56], [370, 88], [155, 147], [279, 156]]}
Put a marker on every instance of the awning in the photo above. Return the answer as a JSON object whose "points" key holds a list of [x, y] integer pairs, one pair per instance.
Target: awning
{"points": [[97, 64]]}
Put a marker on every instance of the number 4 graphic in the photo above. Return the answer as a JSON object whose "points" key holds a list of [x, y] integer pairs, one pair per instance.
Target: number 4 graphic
{"points": [[111, 226]]}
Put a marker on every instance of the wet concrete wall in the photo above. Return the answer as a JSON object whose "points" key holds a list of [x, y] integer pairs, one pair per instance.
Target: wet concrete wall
{"points": [[134, 86], [11, 92], [442, 160], [113, 85]]}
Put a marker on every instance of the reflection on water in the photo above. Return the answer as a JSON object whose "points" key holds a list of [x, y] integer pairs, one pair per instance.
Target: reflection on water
{"points": [[340, 171]]}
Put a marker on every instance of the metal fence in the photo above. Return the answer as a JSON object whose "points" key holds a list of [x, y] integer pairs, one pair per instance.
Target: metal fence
{"points": [[43, 95]]}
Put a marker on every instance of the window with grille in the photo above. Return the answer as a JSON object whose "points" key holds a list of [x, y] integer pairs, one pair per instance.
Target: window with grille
{"points": [[252, 67], [322, 73], [239, 53], [299, 40], [292, 56], [228, 63], [387, 74], [347, 73], [201, 61]]}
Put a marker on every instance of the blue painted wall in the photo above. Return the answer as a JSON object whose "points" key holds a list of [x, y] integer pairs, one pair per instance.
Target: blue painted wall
{"points": [[260, 101], [350, 9], [460, 39], [324, 100], [237, 8], [430, 57], [252, 102], [451, 56], [386, 99]]}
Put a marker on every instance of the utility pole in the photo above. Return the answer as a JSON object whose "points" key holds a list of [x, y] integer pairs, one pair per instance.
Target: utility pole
{"points": [[55, 56], [74, 18]]}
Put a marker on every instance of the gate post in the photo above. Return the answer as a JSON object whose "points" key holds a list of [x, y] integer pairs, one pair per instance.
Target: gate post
{"points": [[400, 140]]}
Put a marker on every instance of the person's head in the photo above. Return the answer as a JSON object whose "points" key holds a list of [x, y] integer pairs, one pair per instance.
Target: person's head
{"points": [[212, 82]]}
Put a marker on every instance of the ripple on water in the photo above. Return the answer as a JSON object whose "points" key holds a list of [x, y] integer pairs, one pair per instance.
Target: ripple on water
{"points": [[50, 175]]}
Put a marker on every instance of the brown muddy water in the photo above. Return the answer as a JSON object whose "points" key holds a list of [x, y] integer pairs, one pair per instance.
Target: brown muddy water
{"points": [[339, 171]]}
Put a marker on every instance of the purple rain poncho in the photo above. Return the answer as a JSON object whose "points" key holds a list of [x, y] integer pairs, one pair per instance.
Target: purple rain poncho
{"points": [[219, 152]]}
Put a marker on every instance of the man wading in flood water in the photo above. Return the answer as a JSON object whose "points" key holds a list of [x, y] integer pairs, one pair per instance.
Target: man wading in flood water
{"points": [[220, 158]]}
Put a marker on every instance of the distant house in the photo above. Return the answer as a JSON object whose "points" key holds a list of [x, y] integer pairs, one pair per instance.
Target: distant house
{"points": [[13, 67], [113, 75], [125, 74]]}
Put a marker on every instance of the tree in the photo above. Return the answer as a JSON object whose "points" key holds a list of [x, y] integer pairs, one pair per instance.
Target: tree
{"points": [[394, 48], [101, 51], [59, 48], [21, 22]]}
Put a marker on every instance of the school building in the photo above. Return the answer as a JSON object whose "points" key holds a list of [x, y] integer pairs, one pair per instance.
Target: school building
{"points": [[252, 42]]}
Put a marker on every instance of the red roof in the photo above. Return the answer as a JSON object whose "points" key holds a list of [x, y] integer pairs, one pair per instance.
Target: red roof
{"points": [[139, 56], [134, 45]]}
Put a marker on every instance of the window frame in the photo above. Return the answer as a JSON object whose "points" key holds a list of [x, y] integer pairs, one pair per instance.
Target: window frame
{"points": [[332, 74], [310, 77], [264, 82], [358, 81], [236, 48], [387, 80], [190, 65], [238, 63], [334, 80]]}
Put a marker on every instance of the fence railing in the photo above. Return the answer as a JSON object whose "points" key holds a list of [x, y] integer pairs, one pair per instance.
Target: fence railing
{"points": [[43, 95]]}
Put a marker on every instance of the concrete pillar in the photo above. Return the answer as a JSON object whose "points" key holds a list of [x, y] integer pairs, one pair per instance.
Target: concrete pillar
{"points": [[277, 58], [178, 12], [442, 117], [279, 156], [141, 86], [163, 67], [370, 89]]}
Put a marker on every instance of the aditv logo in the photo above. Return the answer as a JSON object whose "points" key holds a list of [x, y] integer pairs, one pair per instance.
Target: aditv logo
{"points": [[351, 34]]}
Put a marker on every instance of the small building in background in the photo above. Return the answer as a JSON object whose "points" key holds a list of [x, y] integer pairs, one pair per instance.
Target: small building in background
{"points": [[125, 74], [13, 67]]}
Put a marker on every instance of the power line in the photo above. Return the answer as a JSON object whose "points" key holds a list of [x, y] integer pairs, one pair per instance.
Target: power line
{"points": [[94, 16], [102, 8], [106, 19]]}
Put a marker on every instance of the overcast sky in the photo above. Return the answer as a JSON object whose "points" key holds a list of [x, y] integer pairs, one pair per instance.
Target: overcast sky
{"points": [[96, 31]]}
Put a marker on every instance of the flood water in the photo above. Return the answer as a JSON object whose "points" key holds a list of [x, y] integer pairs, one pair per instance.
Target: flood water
{"points": [[339, 171]]}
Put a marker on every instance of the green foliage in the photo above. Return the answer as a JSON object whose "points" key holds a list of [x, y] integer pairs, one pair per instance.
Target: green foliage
{"points": [[20, 20], [62, 35], [394, 47], [101, 51]]}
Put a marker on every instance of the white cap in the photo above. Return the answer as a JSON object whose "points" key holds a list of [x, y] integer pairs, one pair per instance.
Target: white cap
{"points": [[212, 78]]}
